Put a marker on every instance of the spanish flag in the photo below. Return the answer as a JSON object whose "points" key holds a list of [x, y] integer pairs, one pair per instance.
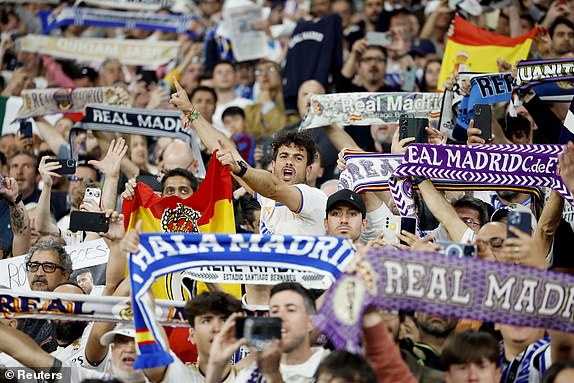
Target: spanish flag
{"points": [[472, 49], [208, 210]]}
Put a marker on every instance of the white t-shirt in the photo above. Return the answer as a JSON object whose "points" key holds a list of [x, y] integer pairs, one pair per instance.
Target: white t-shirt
{"points": [[217, 121], [75, 353], [178, 372], [276, 218], [292, 373]]}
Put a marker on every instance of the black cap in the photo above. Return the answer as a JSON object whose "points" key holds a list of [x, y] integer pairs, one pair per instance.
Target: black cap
{"points": [[348, 196]]}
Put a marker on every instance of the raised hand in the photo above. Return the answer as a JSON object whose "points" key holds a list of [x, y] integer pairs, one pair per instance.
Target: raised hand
{"points": [[130, 190], [225, 157], [473, 135], [47, 171], [180, 100], [116, 229], [435, 136], [400, 147], [110, 164]]}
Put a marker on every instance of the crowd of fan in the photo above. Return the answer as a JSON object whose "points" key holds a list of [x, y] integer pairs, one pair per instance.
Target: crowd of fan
{"points": [[285, 183]]}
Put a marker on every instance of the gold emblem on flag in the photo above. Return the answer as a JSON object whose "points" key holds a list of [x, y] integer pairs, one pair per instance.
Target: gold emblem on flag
{"points": [[182, 219]]}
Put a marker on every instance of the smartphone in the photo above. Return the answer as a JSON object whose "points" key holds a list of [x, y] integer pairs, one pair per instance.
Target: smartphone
{"points": [[25, 129], [68, 165], [410, 79], [382, 39], [409, 126], [93, 194], [257, 329], [152, 181], [89, 221], [408, 224], [456, 249], [519, 219], [482, 120]]}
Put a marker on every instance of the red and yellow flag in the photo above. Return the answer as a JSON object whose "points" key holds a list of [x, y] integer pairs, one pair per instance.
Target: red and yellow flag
{"points": [[208, 210], [472, 49]]}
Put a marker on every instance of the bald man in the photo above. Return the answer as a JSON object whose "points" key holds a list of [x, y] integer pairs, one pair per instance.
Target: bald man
{"points": [[490, 239], [178, 154]]}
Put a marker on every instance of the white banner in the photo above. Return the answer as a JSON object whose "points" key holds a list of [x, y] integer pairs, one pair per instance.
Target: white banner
{"points": [[88, 255], [130, 52]]}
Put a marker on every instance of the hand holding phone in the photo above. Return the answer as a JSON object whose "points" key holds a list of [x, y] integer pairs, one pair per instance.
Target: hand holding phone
{"points": [[382, 39], [68, 166], [482, 120], [89, 221], [409, 126], [520, 220], [93, 194]]}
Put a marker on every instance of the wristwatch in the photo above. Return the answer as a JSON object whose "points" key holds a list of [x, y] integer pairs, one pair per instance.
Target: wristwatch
{"points": [[243, 167], [16, 202]]}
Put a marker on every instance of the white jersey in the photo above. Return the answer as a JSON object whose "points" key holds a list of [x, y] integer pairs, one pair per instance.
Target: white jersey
{"points": [[178, 372], [292, 373], [276, 218], [75, 353]]}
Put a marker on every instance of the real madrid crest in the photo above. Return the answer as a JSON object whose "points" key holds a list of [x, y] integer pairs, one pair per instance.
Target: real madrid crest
{"points": [[182, 219]]}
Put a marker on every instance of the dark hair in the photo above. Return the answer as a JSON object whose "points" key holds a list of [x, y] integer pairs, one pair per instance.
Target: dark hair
{"points": [[423, 80], [556, 368], [233, 111], [71, 283], [346, 366], [82, 271], [300, 139], [202, 88], [476, 204], [299, 289], [249, 206], [470, 347], [557, 22], [377, 47], [181, 173], [224, 62], [84, 163], [3, 160], [215, 302], [515, 124]]}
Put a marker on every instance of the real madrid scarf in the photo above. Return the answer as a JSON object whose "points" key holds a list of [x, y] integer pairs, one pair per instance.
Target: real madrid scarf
{"points": [[110, 18], [129, 52], [160, 254], [449, 286], [369, 108], [50, 305], [535, 72], [41, 102], [147, 122], [507, 165], [372, 172]]}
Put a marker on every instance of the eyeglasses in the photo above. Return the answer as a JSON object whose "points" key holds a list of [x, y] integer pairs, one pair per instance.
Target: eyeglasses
{"points": [[496, 242], [74, 178], [376, 60], [269, 69], [48, 267], [470, 222]]}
